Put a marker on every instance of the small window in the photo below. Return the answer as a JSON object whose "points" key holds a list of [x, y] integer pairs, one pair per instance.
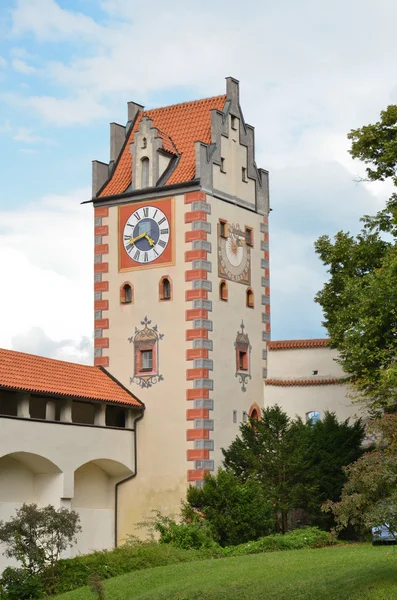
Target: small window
{"points": [[233, 122], [126, 294], [242, 360], [223, 165], [144, 143], [165, 289], [315, 372], [244, 174], [147, 360], [245, 416], [250, 298], [235, 416], [223, 229], [145, 172], [223, 291], [313, 416], [248, 236]]}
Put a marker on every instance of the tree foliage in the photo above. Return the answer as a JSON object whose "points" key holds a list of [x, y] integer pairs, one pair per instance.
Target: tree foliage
{"points": [[299, 465], [360, 299], [236, 511], [36, 538]]}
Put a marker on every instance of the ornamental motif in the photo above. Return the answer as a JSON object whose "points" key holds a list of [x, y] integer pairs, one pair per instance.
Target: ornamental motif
{"points": [[243, 357], [146, 355], [234, 255]]}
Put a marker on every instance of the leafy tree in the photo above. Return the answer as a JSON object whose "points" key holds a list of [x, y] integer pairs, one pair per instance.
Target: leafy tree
{"points": [[360, 299], [298, 464], [369, 497], [236, 511], [36, 537]]}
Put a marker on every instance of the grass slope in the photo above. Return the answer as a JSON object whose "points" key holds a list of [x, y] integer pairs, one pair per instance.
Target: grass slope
{"points": [[343, 573]]}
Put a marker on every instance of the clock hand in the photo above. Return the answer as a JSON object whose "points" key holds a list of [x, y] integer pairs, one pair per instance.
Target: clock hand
{"points": [[138, 237], [149, 239]]}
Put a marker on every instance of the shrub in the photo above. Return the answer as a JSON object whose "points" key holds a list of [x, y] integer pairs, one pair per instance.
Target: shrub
{"points": [[73, 573], [307, 537], [235, 511], [194, 535], [20, 584]]}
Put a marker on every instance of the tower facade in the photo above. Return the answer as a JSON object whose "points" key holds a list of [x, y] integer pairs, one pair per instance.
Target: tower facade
{"points": [[182, 300]]}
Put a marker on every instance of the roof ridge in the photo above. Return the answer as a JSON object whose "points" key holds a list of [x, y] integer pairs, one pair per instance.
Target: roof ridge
{"points": [[144, 113], [57, 360]]}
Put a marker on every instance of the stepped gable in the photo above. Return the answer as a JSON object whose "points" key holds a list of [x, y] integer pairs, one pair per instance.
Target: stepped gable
{"points": [[179, 126]]}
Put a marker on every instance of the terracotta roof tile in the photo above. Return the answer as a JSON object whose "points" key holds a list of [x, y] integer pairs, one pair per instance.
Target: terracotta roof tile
{"points": [[290, 344], [301, 382], [31, 373], [183, 124]]}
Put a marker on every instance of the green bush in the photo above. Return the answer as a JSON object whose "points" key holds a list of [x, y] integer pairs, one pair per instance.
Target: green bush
{"points": [[74, 572], [307, 537], [194, 535], [235, 512], [20, 584]]}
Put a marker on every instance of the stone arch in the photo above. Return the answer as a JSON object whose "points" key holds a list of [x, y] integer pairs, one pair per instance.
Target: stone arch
{"points": [[27, 478], [254, 411], [94, 500]]}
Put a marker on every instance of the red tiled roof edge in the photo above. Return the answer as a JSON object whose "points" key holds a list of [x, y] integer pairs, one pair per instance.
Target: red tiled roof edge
{"points": [[305, 382], [122, 386], [290, 344], [24, 372]]}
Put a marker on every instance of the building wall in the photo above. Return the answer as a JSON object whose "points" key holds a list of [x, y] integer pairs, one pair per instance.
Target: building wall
{"points": [[65, 465], [162, 466], [227, 317], [295, 365]]}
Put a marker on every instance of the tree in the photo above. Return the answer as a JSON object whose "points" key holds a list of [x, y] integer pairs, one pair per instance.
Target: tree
{"points": [[236, 511], [360, 308], [298, 464], [360, 299], [369, 496], [36, 536]]}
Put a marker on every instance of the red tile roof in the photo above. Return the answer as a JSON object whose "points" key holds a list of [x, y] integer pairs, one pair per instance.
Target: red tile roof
{"points": [[290, 344], [31, 373], [294, 382], [185, 124]]}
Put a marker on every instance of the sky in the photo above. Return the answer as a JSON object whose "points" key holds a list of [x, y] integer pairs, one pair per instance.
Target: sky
{"points": [[309, 72]]}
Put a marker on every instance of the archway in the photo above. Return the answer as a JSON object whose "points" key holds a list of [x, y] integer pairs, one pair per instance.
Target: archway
{"points": [[26, 478], [94, 497]]}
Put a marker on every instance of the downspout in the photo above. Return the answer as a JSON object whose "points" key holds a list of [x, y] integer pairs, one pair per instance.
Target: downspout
{"points": [[116, 489]]}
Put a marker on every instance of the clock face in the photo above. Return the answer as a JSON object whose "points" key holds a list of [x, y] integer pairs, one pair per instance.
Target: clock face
{"points": [[146, 234], [234, 256]]}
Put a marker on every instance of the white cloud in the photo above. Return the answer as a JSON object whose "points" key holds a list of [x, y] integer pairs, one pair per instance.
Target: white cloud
{"points": [[27, 136], [22, 67], [45, 265], [3, 62], [62, 112], [48, 21]]}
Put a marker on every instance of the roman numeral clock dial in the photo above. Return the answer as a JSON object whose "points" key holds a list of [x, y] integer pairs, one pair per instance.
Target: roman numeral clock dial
{"points": [[146, 234]]}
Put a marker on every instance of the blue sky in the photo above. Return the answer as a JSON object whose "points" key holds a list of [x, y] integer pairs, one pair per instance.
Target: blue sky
{"points": [[308, 71]]}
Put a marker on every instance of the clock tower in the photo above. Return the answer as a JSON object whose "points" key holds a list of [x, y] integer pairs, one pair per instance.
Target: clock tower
{"points": [[182, 301]]}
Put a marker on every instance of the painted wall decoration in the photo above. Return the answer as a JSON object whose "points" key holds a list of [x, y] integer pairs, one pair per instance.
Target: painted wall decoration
{"points": [[146, 355], [234, 255], [146, 234], [243, 357]]}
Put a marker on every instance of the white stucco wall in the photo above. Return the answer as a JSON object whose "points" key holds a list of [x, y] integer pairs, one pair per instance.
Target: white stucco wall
{"points": [[298, 364], [65, 465]]}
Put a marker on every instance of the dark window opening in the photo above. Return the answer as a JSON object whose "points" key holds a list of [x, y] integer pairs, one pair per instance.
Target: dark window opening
{"points": [[244, 174], [145, 173], [223, 165], [147, 360], [223, 291]]}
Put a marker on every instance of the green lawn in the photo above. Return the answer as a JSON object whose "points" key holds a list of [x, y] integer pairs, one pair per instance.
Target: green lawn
{"points": [[342, 572]]}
